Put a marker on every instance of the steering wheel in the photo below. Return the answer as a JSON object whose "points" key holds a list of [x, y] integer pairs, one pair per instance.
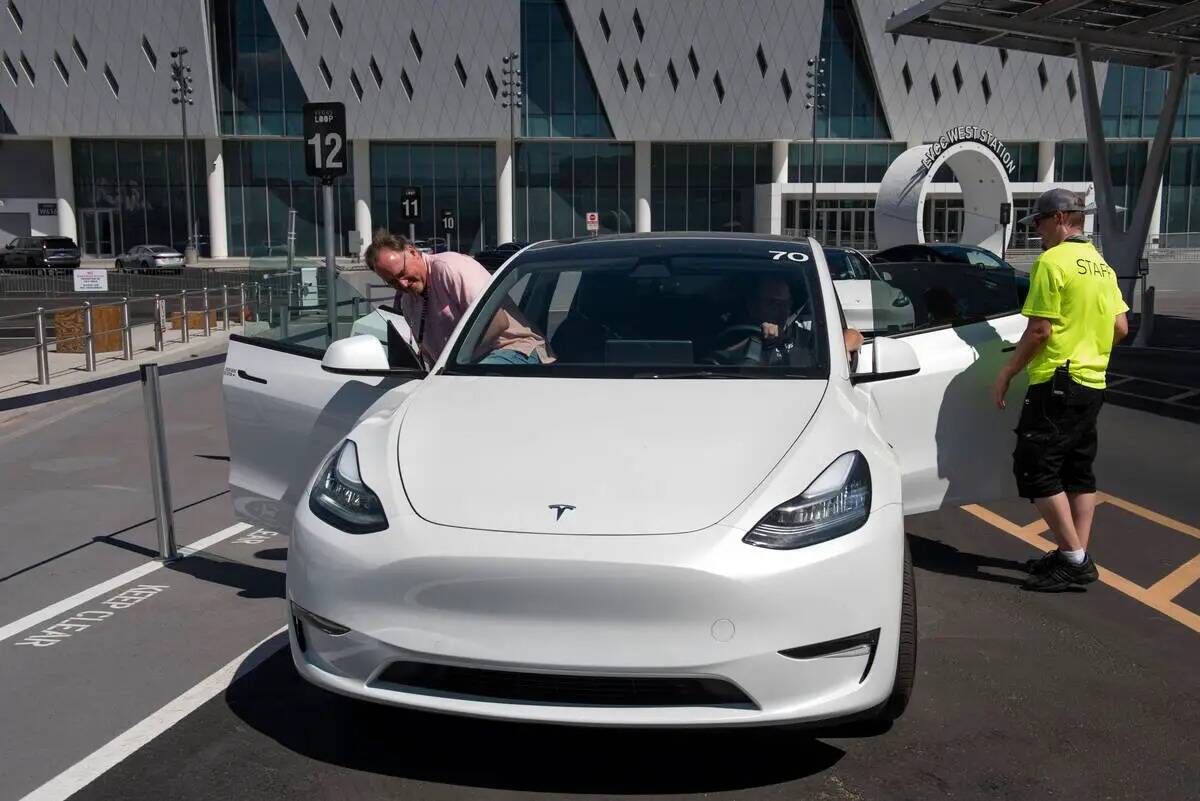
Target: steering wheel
{"points": [[729, 337]]}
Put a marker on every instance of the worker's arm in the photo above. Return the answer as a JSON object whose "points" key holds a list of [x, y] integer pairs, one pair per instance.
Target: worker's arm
{"points": [[1120, 328], [1037, 332]]}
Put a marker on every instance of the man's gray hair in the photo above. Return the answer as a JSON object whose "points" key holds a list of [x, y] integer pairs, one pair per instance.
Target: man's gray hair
{"points": [[381, 241]]}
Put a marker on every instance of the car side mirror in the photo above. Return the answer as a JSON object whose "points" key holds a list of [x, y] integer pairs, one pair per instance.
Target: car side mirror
{"points": [[888, 358], [885, 275], [356, 355]]}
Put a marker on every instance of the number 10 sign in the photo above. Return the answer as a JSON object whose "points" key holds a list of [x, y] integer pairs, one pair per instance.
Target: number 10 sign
{"points": [[325, 140]]}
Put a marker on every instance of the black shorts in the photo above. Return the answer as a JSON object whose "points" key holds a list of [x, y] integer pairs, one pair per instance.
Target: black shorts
{"points": [[1056, 441]]}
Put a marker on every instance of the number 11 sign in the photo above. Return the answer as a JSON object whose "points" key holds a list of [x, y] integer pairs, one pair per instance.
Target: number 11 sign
{"points": [[325, 140]]}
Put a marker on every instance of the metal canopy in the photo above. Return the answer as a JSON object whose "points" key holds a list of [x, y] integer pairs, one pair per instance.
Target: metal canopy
{"points": [[1145, 33]]}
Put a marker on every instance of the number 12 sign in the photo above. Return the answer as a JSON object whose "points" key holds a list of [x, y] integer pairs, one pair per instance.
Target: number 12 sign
{"points": [[325, 140]]}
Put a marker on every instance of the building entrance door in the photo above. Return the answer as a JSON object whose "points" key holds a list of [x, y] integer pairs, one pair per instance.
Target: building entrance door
{"points": [[96, 233]]}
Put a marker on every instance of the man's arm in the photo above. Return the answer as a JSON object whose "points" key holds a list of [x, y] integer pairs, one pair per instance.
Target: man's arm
{"points": [[1037, 332], [1120, 328]]}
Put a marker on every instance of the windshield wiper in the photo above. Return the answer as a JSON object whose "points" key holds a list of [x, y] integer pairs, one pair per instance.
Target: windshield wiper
{"points": [[690, 374]]}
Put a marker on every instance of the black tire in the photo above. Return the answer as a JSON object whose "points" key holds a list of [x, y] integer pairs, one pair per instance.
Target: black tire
{"points": [[906, 663], [147, 267]]}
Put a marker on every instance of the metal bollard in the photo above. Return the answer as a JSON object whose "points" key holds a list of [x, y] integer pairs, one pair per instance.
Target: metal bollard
{"points": [[183, 320], [207, 325], [242, 306], [270, 308], [126, 331], [224, 308], [89, 345], [160, 476], [160, 318], [43, 359]]}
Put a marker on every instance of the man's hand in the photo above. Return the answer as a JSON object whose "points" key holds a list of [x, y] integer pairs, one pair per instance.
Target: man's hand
{"points": [[1000, 388], [770, 331]]}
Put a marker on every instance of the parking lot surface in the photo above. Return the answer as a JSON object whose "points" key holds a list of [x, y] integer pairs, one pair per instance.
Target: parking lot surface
{"points": [[172, 681]]}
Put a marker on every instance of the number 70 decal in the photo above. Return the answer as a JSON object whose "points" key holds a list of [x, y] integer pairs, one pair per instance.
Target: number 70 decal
{"points": [[793, 255]]}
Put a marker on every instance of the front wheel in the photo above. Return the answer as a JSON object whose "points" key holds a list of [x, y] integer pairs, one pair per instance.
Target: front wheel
{"points": [[906, 663]]}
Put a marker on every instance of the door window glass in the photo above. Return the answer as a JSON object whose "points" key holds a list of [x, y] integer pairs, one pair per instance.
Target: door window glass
{"points": [[948, 295]]}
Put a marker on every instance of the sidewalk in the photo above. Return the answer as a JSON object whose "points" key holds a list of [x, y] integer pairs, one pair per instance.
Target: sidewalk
{"points": [[18, 371]]}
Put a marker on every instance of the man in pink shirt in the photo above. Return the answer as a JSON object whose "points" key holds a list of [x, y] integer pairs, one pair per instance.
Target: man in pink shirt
{"points": [[435, 291]]}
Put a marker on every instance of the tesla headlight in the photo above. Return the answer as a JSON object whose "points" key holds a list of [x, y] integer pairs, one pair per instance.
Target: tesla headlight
{"points": [[901, 301], [836, 503], [340, 497]]}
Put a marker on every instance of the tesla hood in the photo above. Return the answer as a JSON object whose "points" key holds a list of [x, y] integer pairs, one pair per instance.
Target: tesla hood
{"points": [[595, 456]]}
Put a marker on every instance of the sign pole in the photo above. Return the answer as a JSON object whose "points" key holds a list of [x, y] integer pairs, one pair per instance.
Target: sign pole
{"points": [[330, 261]]}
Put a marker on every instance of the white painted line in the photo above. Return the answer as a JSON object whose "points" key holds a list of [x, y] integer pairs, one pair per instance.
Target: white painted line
{"points": [[129, 576], [93, 766]]}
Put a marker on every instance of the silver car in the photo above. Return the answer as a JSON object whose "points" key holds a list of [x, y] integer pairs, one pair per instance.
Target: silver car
{"points": [[149, 258]]}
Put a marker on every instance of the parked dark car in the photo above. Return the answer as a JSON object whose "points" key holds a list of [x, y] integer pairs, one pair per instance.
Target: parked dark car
{"points": [[952, 254], [57, 253], [493, 258], [150, 258]]}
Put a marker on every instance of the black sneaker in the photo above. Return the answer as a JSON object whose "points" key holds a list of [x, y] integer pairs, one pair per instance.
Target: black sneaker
{"points": [[1042, 564], [1062, 575]]}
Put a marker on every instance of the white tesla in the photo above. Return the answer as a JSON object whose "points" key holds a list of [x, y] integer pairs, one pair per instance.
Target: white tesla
{"points": [[676, 516]]}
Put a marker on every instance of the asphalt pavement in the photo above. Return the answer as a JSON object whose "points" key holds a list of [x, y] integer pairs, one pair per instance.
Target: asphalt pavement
{"points": [[157, 684]]}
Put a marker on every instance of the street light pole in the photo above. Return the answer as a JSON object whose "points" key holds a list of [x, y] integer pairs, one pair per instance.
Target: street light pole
{"points": [[512, 101], [181, 91], [816, 102]]}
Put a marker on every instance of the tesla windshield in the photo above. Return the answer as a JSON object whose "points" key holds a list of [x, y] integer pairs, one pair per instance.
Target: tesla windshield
{"points": [[652, 309]]}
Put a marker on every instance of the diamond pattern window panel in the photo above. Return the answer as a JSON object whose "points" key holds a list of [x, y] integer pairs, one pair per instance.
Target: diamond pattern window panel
{"points": [[672, 75], [986, 86], [852, 107], [907, 76], [605, 28], [1003, 57], [336, 19], [1071, 84], [356, 85], [559, 92], [719, 85], [406, 83], [415, 43], [302, 20], [112, 81], [936, 89], [376, 73], [761, 58], [491, 83], [15, 13], [79, 54], [151, 56], [958, 79], [637, 73], [62, 69], [638, 26], [785, 84], [693, 62], [10, 69], [622, 75], [25, 65], [460, 70], [1043, 79], [6, 126], [325, 73]]}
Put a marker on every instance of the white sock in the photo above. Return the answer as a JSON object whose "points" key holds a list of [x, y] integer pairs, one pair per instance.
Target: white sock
{"points": [[1074, 557]]}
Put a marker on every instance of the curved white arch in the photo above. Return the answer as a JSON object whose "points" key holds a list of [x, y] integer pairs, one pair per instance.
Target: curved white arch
{"points": [[900, 205]]}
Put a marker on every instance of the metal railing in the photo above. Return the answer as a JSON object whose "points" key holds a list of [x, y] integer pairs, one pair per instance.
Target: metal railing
{"points": [[36, 282], [248, 302]]}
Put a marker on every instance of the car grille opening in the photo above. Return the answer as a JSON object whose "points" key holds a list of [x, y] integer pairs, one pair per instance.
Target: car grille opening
{"points": [[556, 688]]}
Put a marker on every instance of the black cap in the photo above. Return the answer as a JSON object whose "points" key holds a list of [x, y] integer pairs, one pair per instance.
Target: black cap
{"points": [[1055, 200]]}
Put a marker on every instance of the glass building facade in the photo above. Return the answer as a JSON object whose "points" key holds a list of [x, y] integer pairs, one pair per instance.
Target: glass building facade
{"points": [[460, 177], [559, 182], [1133, 99], [132, 192], [842, 162], [852, 104], [560, 97], [706, 186], [264, 180], [1181, 198], [1126, 163], [258, 92]]}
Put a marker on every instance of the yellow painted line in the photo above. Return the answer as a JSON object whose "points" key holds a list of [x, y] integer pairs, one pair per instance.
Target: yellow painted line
{"points": [[1149, 514], [1177, 580], [1114, 580]]}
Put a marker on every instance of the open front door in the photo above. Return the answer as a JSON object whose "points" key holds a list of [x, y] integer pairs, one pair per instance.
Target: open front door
{"points": [[953, 445]]}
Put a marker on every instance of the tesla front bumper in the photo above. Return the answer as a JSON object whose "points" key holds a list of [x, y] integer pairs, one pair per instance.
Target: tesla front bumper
{"points": [[695, 629]]}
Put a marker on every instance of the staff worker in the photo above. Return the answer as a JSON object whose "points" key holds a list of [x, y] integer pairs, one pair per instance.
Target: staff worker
{"points": [[1076, 315]]}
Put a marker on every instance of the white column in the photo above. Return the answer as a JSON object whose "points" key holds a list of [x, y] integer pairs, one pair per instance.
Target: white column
{"points": [[218, 232], [362, 193], [504, 192], [1046, 162], [641, 185], [64, 188], [779, 161]]}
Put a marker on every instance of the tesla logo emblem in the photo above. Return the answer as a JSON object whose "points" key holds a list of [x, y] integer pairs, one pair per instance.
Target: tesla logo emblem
{"points": [[559, 508]]}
